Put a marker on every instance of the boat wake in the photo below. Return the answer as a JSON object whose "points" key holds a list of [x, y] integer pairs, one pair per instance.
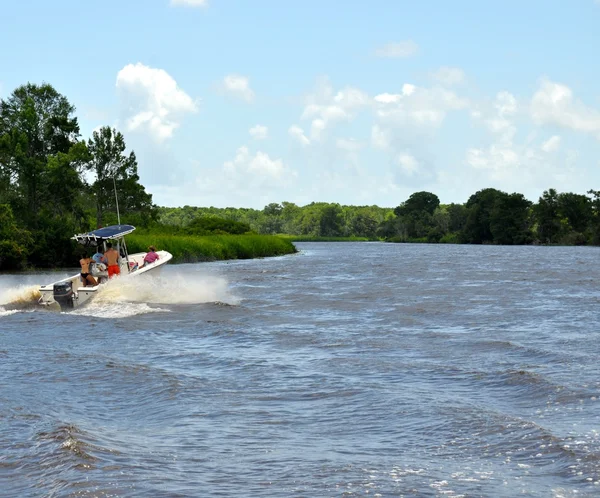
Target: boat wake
{"points": [[19, 298], [168, 289], [124, 297]]}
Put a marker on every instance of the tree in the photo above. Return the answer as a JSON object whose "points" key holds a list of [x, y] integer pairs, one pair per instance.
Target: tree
{"points": [[113, 168], [330, 224], [547, 217], [15, 243], [595, 218], [418, 202], [477, 229], [510, 220], [576, 209], [415, 215], [273, 209], [36, 123]]}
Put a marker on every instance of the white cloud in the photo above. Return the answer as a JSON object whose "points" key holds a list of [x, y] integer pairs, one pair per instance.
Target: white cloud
{"points": [[497, 116], [552, 144], [152, 100], [325, 108], [239, 87], [380, 139], [497, 158], [190, 3], [449, 75], [406, 48], [408, 163], [418, 106], [554, 104], [259, 132], [298, 133], [506, 104], [257, 170]]}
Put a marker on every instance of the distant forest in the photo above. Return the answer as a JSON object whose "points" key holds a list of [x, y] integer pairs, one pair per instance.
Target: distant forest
{"points": [[54, 183], [489, 216]]}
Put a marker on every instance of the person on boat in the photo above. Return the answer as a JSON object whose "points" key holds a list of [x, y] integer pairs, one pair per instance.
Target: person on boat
{"points": [[150, 257], [86, 276], [99, 258], [112, 258]]}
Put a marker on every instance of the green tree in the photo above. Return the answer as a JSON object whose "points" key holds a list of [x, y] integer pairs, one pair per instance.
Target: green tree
{"points": [[36, 123], [15, 243], [546, 213], [113, 169], [510, 219], [330, 224], [477, 229], [576, 209], [595, 217]]}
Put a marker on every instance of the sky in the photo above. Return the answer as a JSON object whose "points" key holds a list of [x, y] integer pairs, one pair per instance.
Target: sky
{"points": [[244, 103]]}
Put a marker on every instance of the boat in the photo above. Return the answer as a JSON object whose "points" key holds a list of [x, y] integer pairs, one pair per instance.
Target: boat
{"points": [[71, 293]]}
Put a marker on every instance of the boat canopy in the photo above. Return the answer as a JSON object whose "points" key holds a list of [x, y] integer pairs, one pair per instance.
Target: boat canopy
{"points": [[97, 237]]}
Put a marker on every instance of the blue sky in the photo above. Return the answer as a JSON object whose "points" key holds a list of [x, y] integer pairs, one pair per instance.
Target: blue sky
{"points": [[239, 103]]}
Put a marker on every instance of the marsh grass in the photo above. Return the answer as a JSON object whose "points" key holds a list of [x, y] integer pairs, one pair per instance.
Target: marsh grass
{"points": [[191, 248]]}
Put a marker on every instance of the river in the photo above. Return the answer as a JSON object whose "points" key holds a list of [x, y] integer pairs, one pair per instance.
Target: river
{"points": [[348, 369]]}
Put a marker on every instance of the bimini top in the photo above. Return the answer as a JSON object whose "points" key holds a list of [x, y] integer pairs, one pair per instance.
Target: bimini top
{"points": [[98, 236]]}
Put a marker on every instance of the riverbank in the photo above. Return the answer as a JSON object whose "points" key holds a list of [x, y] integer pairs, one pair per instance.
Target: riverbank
{"points": [[196, 248], [313, 238]]}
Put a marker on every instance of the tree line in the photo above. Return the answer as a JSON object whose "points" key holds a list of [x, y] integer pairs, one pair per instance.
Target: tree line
{"points": [[54, 183], [489, 216]]}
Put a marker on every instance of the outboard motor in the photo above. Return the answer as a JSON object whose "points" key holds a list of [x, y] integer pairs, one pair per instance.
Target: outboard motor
{"points": [[64, 295]]}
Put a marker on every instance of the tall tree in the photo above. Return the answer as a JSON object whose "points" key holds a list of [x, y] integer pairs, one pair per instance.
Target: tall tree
{"points": [[111, 168], [510, 220], [36, 123], [576, 209], [417, 203], [15, 243], [477, 229], [547, 217]]}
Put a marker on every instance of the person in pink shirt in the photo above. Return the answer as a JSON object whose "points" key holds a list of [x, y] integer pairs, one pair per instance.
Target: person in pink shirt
{"points": [[150, 257]]}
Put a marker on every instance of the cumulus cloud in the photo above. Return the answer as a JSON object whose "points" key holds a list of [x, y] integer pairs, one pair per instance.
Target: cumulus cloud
{"points": [[408, 163], [298, 134], [152, 100], [325, 108], [502, 157], [257, 170], [418, 106], [259, 132], [555, 104], [449, 75], [238, 86], [190, 3], [406, 48]]}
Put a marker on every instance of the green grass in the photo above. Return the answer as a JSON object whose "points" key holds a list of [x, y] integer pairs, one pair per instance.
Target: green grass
{"points": [[190, 248]]}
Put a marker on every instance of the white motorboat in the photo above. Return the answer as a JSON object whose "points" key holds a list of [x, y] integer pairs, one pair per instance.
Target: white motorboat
{"points": [[71, 292]]}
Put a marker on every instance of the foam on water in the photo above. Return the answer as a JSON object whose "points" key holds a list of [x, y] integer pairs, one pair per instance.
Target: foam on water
{"points": [[114, 310], [125, 297], [172, 289], [20, 296]]}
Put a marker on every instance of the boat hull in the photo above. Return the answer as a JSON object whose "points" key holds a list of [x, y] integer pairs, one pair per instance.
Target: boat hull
{"points": [[70, 293]]}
